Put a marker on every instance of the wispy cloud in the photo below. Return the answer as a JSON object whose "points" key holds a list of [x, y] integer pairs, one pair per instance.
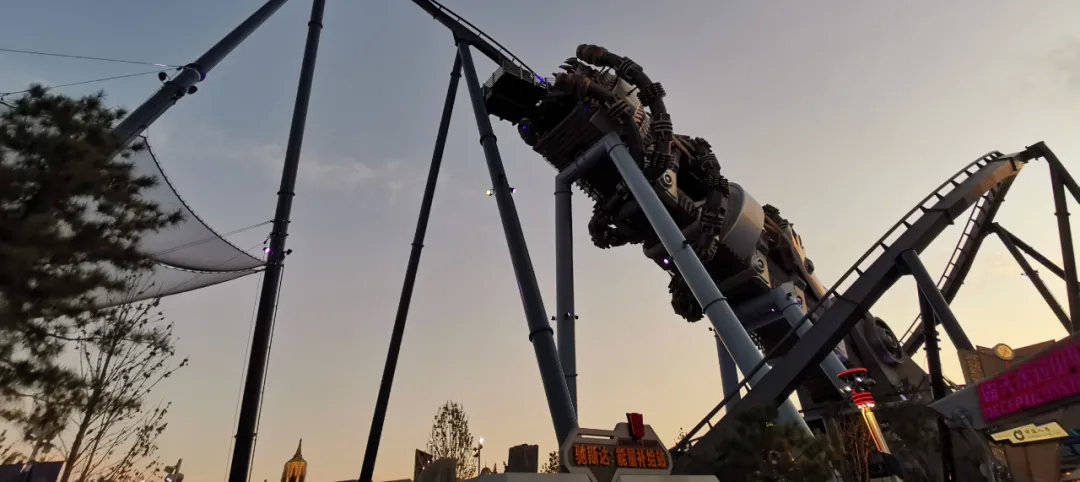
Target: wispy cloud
{"points": [[328, 172], [1066, 59], [338, 173]]}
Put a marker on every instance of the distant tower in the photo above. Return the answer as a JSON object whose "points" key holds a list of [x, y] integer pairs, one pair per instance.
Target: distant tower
{"points": [[296, 468]]}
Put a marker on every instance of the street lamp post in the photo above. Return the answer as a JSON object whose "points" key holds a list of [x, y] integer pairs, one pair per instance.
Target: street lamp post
{"points": [[476, 453]]}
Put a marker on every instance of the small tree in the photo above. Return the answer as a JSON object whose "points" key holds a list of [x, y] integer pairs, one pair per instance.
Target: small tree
{"points": [[125, 352], [851, 447], [71, 217], [552, 466], [450, 438]]}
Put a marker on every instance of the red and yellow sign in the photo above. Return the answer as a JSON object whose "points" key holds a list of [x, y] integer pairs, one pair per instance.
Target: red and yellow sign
{"points": [[623, 457]]}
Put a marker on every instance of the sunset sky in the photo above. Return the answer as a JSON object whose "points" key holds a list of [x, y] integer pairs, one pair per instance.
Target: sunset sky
{"points": [[842, 114]]}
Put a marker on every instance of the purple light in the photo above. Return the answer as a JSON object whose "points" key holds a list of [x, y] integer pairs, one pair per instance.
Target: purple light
{"points": [[266, 249], [513, 190], [667, 261]]}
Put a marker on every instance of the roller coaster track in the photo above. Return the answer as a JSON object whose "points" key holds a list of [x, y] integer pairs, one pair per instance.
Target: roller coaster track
{"points": [[978, 225], [465, 31], [837, 313]]}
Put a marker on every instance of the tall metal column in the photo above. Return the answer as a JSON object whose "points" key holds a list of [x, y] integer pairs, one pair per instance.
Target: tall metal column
{"points": [[937, 382], [191, 74], [713, 303], [563, 416], [564, 287], [928, 288], [1068, 256], [789, 303], [934, 309], [375, 435], [1063, 173], [729, 374], [566, 317], [933, 351], [264, 318]]}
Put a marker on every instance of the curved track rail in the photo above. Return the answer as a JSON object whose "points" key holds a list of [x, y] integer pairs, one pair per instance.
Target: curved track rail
{"points": [[990, 174], [464, 30]]}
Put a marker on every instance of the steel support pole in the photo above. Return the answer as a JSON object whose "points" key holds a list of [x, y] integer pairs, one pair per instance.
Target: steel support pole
{"points": [[264, 318], [729, 374], [191, 74], [933, 351], [928, 287], [1033, 275], [1068, 257], [566, 317], [937, 381], [713, 303], [1055, 163], [563, 416], [1043, 260], [564, 287], [791, 305], [375, 435]]}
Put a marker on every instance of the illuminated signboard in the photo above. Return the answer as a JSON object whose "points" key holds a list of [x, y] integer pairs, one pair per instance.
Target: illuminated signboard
{"points": [[630, 449], [635, 457], [1052, 376]]}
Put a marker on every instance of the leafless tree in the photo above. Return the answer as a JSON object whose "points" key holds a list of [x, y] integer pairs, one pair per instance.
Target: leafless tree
{"points": [[124, 353]]}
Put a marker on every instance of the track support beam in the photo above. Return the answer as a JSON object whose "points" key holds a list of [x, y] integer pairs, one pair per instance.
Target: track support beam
{"points": [[563, 416], [1068, 256], [191, 74], [937, 382], [712, 301], [250, 403], [1033, 275], [1063, 174], [1043, 260], [729, 372], [375, 434], [565, 316], [941, 307], [1059, 180]]}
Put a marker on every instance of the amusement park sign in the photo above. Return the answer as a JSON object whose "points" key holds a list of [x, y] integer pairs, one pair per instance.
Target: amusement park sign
{"points": [[1052, 376], [630, 449]]}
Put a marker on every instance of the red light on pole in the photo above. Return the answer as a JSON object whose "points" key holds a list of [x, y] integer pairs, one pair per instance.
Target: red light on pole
{"points": [[637, 425]]}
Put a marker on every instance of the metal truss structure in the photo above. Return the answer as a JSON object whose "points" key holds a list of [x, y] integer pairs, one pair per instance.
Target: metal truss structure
{"points": [[603, 124], [772, 318]]}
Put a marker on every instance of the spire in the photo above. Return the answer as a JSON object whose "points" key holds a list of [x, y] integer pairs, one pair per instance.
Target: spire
{"points": [[296, 467]]}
